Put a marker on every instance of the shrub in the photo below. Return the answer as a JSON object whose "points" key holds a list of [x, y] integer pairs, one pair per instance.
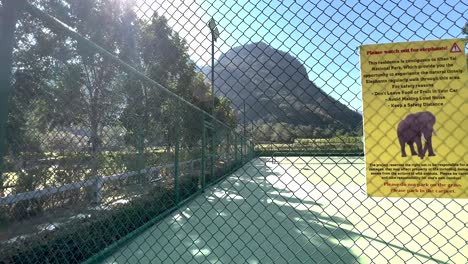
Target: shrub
{"points": [[79, 240]]}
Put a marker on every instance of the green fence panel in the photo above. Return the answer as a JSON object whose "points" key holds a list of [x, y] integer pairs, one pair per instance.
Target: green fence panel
{"points": [[156, 131]]}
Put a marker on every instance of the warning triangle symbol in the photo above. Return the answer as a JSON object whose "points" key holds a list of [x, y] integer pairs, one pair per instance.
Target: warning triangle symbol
{"points": [[455, 48]]}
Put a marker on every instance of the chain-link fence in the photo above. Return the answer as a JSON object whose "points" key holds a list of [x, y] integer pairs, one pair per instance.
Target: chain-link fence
{"points": [[208, 132]]}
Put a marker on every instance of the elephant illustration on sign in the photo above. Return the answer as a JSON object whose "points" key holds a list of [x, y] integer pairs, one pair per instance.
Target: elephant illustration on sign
{"points": [[417, 128]]}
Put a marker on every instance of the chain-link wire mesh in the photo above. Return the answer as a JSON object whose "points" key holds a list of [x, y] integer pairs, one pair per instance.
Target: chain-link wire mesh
{"points": [[155, 131]]}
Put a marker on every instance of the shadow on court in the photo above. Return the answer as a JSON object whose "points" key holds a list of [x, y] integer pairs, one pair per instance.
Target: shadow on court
{"points": [[244, 219]]}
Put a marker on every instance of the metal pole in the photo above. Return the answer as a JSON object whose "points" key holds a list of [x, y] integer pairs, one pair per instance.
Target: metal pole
{"points": [[140, 158], [203, 153], [212, 76], [235, 147], [212, 153], [8, 19], [227, 156], [143, 132], [241, 147], [176, 165], [212, 105], [245, 133]]}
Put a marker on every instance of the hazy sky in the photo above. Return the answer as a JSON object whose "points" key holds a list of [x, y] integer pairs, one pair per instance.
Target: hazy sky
{"points": [[324, 35]]}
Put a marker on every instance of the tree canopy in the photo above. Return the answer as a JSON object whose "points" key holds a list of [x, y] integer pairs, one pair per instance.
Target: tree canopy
{"points": [[64, 87]]}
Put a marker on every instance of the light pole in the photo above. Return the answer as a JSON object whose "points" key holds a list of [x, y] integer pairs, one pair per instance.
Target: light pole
{"points": [[214, 37]]}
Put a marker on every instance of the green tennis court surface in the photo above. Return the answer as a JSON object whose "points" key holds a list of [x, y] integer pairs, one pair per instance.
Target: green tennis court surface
{"points": [[302, 210]]}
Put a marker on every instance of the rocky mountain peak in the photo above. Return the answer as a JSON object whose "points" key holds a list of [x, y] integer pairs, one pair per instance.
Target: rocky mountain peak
{"points": [[275, 87]]}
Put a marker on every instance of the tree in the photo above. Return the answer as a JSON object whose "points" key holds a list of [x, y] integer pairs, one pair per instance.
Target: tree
{"points": [[60, 84], [148, 110], [164, 58]]}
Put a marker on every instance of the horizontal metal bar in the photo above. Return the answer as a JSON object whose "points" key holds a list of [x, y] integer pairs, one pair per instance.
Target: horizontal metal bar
{"points": [[14, 198], [11, 199]]}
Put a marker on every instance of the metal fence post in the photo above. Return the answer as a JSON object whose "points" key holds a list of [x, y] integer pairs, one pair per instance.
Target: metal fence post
{"points": [[235, 147], [223, 154], [97, 187], [227, 153], [8, 21], [244, 154], [242, 148], [140, 159], [203, 153], [252, 149], [211, 148], [176, 164], [212, 153]]}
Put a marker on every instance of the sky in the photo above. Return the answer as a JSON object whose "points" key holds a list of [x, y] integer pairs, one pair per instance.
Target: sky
{"points": [[324, 35]]}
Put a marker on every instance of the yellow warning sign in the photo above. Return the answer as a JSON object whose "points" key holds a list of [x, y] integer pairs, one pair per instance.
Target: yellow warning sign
{"points": [[415, 98]]}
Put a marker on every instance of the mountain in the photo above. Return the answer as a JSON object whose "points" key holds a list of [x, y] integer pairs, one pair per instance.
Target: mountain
{"points": [[275, 88], [203, 69]]}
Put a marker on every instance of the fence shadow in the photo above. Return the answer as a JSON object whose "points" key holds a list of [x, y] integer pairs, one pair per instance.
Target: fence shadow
{"points": [[245, 219]]}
